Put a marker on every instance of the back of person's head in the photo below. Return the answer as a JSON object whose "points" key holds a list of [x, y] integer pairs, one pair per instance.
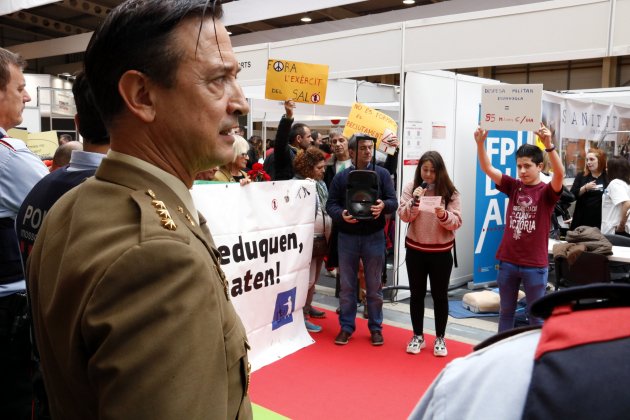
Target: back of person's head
{"points": [[63, 154], [314, 135], [325, 147], [618, 168], [530, 151], [297, 129], [7, 59], [304, 163], [65, 138], [546, 163], [240, 146], [600, 155], [90, 124], [138, 35], [352, 141]]}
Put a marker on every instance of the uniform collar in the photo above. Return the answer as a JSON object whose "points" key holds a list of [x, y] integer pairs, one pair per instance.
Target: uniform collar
{"points": [[171, 181]]}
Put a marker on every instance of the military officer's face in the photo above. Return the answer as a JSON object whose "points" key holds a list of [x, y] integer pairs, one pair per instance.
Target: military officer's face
{"points": [[199, 111]]}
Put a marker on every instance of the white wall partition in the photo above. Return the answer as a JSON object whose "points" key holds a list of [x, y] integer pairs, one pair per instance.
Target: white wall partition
{"points": [[546, 31], [529, 33], [620, 31], [441, 113]]}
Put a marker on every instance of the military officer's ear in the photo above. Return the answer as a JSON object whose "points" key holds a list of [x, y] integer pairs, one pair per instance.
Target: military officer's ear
{"points": [[135, 89]]}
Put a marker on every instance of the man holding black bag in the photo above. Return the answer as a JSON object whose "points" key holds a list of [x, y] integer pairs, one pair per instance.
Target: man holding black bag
{"points": [[359, 198]]}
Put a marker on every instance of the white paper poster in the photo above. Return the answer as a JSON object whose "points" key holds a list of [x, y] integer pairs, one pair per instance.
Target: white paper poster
{"points": [[264, 233], [511, 107], [429, 204]]}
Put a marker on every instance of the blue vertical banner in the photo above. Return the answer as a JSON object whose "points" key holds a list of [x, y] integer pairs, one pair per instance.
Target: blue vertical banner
{"points": [[490, 204]]}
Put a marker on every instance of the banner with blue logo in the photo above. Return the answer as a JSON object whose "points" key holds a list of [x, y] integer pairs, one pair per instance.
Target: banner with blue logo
{"points": [[490, 204], [264, 234]]}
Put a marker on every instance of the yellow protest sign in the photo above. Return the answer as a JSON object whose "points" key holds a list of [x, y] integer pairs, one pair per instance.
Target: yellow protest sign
{"points": [[363, 119], [18, 133], [43, 144], [302, 82]]}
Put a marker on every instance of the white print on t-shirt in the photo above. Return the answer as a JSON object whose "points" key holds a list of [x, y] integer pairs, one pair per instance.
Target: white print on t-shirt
{"points": [[523, 216]]}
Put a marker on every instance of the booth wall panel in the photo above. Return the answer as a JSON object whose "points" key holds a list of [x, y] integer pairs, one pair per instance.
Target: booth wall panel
{"points": [[445, 98], [465, 169], [253, 63], [621, 29], [355, 55], [563, 33]]}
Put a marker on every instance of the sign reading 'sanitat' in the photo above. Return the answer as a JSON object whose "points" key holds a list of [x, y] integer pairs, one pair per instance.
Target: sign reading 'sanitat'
{"points": [[511, 107]]}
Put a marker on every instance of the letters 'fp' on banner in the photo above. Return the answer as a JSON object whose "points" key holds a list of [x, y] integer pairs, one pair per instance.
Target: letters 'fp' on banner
{"points": [[301, 82], [511, 107], [264, 234], [490, 204], [363, 119]]}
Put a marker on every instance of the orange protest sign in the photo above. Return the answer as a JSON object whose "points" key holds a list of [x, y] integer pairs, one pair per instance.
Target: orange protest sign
{"points": [[363, 119], [302, 82]]}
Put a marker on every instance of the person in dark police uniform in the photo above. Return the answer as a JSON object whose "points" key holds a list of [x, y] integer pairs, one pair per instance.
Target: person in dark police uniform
{"points": [[130, 307]]}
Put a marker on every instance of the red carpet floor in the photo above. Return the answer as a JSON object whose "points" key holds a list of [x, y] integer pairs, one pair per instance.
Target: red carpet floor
{"points": [[355, 381]]}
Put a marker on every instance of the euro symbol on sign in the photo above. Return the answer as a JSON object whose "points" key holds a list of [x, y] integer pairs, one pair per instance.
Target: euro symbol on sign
{"points": [[278, 66]]}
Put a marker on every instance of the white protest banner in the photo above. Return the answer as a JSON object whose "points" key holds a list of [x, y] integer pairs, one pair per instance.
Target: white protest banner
{"points": [[511, 107], [264, 233]]}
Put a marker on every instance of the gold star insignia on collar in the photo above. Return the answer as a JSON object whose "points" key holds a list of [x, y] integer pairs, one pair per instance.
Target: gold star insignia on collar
{"points": [[168, 223], [165, 217], [163, 213], [158, 204], [188, 217]]}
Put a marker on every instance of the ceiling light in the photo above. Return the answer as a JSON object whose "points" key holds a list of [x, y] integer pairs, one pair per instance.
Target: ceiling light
{"points": [[306, 19], [409, 1]]}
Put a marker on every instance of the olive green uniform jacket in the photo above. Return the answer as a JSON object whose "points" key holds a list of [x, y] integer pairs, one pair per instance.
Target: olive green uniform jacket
{"points": [[130, 306]]}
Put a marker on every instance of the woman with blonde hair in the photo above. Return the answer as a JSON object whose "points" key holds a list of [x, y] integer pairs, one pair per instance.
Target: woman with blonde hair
{"points": [[234, 171]]}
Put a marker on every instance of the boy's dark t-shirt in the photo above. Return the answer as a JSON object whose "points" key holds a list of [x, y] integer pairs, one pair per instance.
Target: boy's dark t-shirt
{"points": [[527, 223]]}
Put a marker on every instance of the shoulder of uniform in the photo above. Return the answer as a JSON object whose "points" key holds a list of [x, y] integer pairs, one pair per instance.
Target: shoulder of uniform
{"points": [[159, 219]]}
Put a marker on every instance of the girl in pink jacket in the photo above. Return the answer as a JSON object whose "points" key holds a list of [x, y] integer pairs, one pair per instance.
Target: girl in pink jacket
{"points": [[430, 204]]}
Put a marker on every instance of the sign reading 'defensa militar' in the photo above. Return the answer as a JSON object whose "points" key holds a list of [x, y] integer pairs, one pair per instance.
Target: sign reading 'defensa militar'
{"points": [[511, 107]]}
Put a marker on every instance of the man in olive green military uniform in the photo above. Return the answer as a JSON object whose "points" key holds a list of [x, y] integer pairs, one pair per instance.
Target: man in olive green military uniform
{"points": [[130, 307]]}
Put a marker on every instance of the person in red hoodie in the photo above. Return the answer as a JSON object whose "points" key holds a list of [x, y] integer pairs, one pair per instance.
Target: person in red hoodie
{"points": [[430, 237]]}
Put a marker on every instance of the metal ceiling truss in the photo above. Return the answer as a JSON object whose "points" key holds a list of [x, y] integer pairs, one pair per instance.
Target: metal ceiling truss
{"points": [[86, 7], [46, 23]]}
